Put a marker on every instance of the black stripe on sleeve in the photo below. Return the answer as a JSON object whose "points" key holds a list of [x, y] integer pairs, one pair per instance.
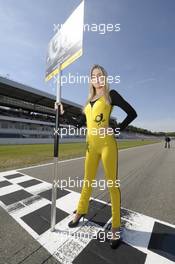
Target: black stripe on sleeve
{"points": [[119, 101]]}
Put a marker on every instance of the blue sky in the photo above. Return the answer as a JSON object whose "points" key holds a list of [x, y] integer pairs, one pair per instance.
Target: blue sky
{"points": [[142, 53]]}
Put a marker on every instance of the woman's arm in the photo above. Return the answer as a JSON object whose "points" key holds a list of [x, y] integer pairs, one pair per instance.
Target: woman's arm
{"points": [[118, 100]]}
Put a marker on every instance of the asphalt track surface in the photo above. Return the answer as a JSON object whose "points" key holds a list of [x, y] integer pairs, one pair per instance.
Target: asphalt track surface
{"points": [[147, 179]]}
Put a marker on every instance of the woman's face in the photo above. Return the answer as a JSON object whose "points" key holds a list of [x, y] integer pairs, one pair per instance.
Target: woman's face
{"points": [[98, 79]]}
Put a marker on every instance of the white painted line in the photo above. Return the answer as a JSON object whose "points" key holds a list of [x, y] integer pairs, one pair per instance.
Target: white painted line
{"points": [[53, 240], [38, 188], [68, 202], [73, 246], [74, 159], [2, 179], [20, 179], [51, 163], [30, 208], [153, 258], [10, 189], [138, 235], [63, 243], [6, 173], [153, 219]]}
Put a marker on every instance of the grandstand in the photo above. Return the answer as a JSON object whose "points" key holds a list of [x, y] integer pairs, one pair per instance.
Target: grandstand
{"points": [[27, 115]]}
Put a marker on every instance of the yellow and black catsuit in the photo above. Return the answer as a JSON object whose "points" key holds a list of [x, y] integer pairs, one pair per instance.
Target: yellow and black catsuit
{"points": [[103, 147]]}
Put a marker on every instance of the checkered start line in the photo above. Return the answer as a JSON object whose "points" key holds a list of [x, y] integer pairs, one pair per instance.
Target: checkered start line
{"points": [[28, 200]]}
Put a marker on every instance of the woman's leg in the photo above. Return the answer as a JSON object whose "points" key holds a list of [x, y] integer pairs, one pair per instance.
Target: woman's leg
{"points": [[109, 157], [90, 170]]}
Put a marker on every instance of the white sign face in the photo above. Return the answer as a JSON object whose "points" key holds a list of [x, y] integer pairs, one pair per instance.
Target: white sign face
{"points": [[66, 45]]}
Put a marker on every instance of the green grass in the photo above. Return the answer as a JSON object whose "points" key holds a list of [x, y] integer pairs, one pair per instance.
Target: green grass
{"points": [[134, 143], [19, 156]]}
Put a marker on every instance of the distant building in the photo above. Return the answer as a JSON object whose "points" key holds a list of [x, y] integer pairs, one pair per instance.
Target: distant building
{"points": [[27, 115]]}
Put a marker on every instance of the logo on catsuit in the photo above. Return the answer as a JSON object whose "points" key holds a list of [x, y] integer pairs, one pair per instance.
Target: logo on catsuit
{"points": [[99, 119]]}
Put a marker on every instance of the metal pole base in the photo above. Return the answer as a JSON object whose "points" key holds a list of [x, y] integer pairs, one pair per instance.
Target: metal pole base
{"points": [[53, 206]]}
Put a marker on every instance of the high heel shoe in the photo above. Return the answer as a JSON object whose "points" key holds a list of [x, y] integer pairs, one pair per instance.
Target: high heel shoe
{"points": [[74, 224], [115, 242]]}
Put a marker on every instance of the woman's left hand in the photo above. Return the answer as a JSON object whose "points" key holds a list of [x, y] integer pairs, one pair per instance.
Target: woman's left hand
{"points": [[61, 107]]}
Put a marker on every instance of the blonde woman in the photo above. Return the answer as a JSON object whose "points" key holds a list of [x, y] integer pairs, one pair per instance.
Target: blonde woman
{"points": [[96, 115]]}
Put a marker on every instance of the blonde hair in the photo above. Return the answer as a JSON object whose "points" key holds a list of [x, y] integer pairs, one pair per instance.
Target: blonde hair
{"points": [[92, 88]]}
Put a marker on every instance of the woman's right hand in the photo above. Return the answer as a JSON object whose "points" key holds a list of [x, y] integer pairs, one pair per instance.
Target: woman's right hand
{"points": [[61, 107]]}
